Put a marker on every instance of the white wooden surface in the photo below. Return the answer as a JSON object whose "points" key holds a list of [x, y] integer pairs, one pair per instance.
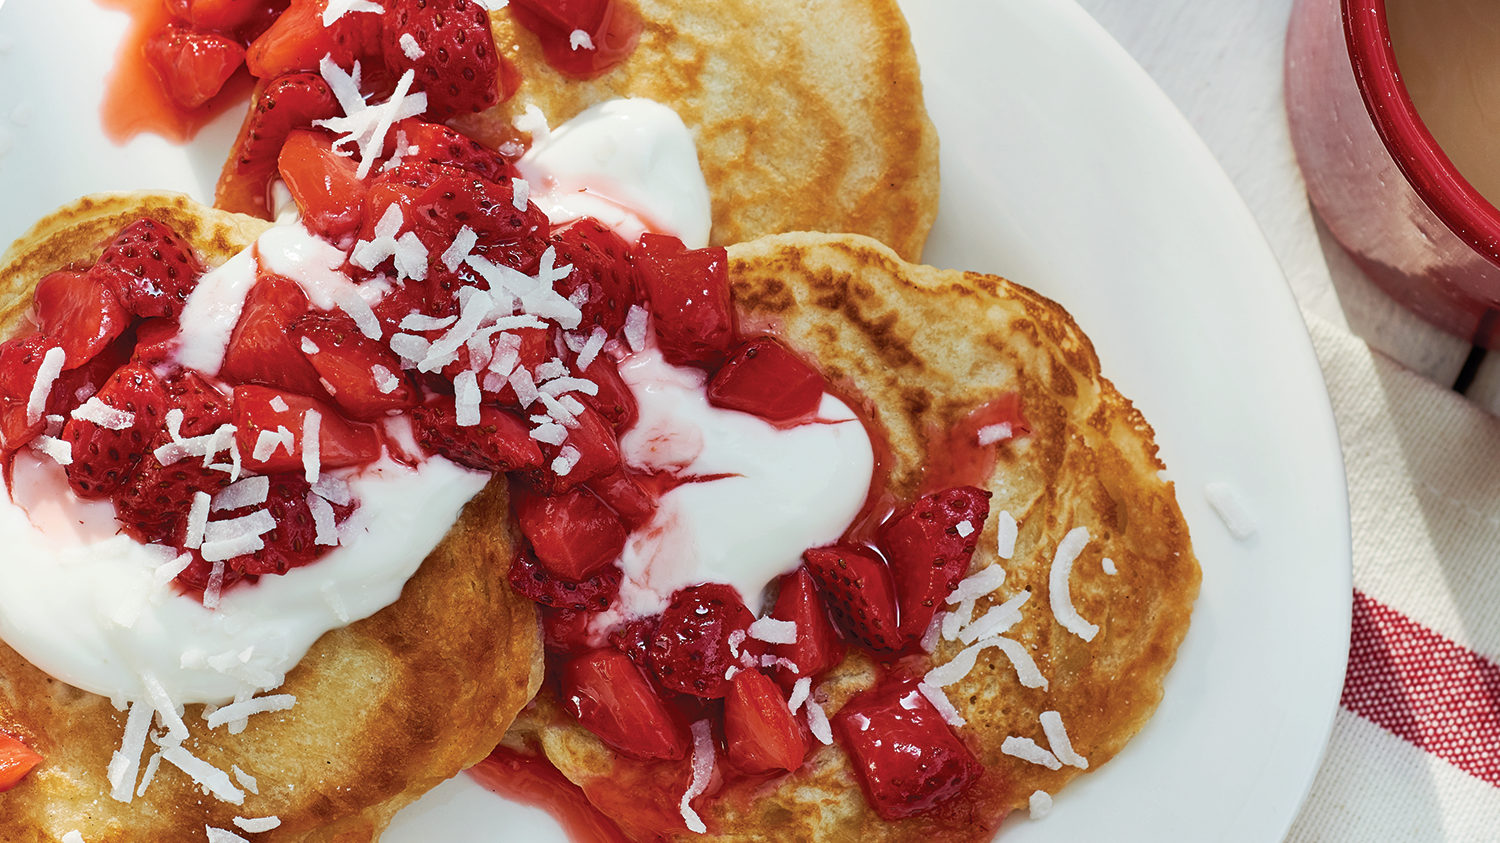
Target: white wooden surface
{"points": [[1220, 61]]}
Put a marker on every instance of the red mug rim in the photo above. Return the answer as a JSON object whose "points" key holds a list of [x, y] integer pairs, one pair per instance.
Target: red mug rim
{"points": [[1432, 175]]}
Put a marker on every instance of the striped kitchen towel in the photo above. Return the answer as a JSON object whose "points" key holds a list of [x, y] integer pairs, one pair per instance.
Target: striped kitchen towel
{"points": [[1415, 751]]}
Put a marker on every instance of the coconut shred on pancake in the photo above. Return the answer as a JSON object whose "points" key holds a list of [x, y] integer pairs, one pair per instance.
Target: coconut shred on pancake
{"points": [[1050, 653]]}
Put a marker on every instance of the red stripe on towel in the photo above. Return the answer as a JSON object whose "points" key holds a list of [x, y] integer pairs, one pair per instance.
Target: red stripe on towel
{"points": [[1423, 688]]}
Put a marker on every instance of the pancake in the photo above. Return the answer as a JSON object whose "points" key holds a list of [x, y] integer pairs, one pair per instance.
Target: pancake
{"points": [[924, 348], [386, 708], [808, 116]]}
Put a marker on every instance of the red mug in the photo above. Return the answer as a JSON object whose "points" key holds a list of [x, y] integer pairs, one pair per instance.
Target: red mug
{"points": [[1386, 190]]}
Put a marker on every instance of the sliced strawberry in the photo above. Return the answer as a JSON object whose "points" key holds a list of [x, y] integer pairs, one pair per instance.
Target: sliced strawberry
{"points": [[341, 442], [155, 340], [204, 408], [612, 698], [499, 442], [856, 584], [929, 547], [288, 102], [16, 760], [625, 495], [602, 270], [20, 358], [293, 542], [454, 55], [79, 313], [325, 184], [149, 268], [765, 378], [689, 299], [537, 584], [598, 453], [103, 458], [262, 348], [573, 534], [904, 754], [153, 503], [224, 15], [613, 29], [439, 144], [566, 630], [818, 647], [760, 731], [614, 400], [297, 41], [692, 649], [363, 375], [192, 66]]}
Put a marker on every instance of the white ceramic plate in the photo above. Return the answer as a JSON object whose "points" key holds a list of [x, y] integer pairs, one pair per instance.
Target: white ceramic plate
{"points": [[1065, 168]]}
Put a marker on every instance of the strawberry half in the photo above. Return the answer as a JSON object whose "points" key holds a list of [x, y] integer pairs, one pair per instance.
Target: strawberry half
{"points": [[149, 268], [104, 459], [857, 586], [818, 646], [285, 103], [692, 651], [904, 754], [449, 45], [928, 545], [612, 698]]}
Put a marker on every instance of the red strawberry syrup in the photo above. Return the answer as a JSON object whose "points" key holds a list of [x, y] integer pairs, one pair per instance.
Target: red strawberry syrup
{"points": [[134, 102], [532, 780]]}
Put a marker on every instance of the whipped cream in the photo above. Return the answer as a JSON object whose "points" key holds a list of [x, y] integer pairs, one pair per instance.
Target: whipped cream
{"points": [[787, 489], [629, 163]]}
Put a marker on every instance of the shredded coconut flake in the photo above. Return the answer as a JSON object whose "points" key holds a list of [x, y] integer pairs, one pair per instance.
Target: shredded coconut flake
{"points": [[466, 399], [580, 40], [1231, 510], [636, 323], [258, 824], [168, 571], [773, 631], [933, 633], [965, 529], [59, 451], [990, 434], [940, 701], [1006, 531], [817, 722], [800, 691], [520, 193], [409, 46], [1026, 749], [327, 532], [978, 584], [333, 490], [246, 780], [457, 252], [150, 773], [218, 551], [338, 8], [351, 302], [423, 322], [1041, 804], [567, 458], [312, 466], [703, 770], [46, 375], [248, 708], [1057, 738], [532, 122], [279, 404], [385, 380], [126, 761], [335, 602], [248, 492], [1109, 566], [197, 521], [219, 835], [1068, 549], [73, 836], [96, 411], [205, 774], [997, 621]]}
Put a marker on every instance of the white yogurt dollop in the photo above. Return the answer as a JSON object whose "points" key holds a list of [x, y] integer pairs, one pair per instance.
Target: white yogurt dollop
{"points": [[790, 489], [629, 163]]}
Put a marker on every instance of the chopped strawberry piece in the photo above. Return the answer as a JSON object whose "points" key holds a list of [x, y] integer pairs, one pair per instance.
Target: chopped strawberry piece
{"points": [[341, 442], [689, 300], [153, 503], [573, 534], [764, 378], [613, 29], [760, 731], [499, 442], [612, 698], [149, 268], [904, 754], [324, 183], [537, 584], [597, 449], [224, 15], [104, 458], [199, 572], [856, 584], [535, 349], [566, 630], [293, 542], [634, 637], [297, 41], [449, 45], [456, 199], [601, 269], [363, 375], [16, 760], [441, 145], [625, 495], [154, 341], [614, 400], [192, 66], [692, 649], [204, 408], [262, 348], [289, 102], [929, 547], [79, 313], [818, 646], [20, 358]]}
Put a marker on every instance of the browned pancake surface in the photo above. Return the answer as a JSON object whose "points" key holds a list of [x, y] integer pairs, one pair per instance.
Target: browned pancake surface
{"points": [[925, 347], [386, 708], [807, 114]]}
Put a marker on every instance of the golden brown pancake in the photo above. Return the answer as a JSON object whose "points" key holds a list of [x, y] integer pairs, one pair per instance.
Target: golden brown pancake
{"points": [[925, 347], [386, 708], [807, 114]]}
